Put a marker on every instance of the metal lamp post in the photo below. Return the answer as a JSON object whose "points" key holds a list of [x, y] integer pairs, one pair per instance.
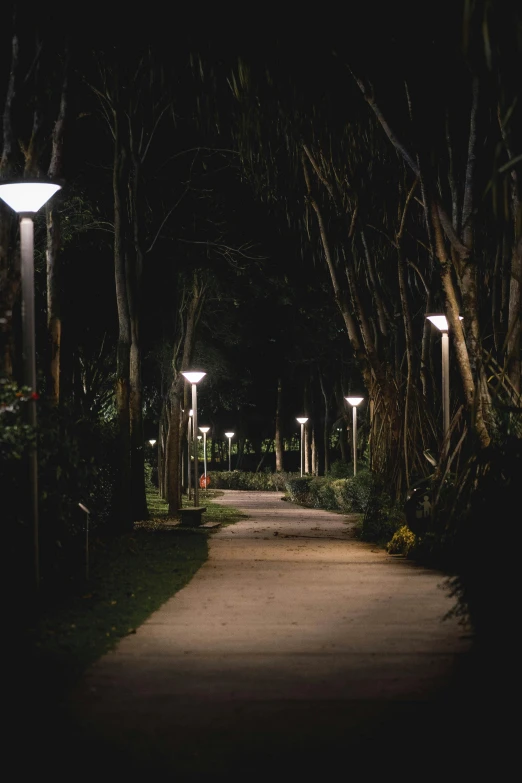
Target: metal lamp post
{"points": [[204, 430], [302, 421], [440, 321], [229, 435], [354, 402], [189, 450], [26, 198], [194, 378]]}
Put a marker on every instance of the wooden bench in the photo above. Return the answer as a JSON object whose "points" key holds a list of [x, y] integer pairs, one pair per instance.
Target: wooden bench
{"points": [[191, 515]]}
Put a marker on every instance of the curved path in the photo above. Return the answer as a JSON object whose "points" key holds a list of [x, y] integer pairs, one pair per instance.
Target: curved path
{"points": [[296, 650]]}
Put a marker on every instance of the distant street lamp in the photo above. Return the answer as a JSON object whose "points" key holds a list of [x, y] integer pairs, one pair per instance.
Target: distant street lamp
{"points": [[302, 421], [152, 442], [26, 198], [354, 402], [194, 378], [204, 430], [229, 435], [441, 323]]}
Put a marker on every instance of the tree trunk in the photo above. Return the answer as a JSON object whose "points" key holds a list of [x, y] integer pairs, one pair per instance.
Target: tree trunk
{"points": [[134, 286], [326, 427], [9, 269], [188, 319], [54, 320], [54, 239], [279, 443], [173, 454], [123, 511], [514, 367]]}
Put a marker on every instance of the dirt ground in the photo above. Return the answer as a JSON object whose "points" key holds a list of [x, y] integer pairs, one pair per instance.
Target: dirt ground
{"points": [[296, 650]]}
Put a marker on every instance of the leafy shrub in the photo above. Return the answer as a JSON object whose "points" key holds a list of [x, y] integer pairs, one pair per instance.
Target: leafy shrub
{"points": [[340, 469], [348, 495], [358, 490], [382, 518], [323, 494], [16, 436], [402, 542], [75, 464], [249, 481], [298, 489]]}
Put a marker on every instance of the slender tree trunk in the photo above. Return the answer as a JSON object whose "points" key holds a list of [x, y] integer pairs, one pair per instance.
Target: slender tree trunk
{"points": [[178, 424], [514, 365], [314, 453], [459, 343], [279, 443], [173, 455], [162, 447], [408, 334], [54, 320], [9, 267], [326, 427], [54, 239], [134, 285], [123, 510]]}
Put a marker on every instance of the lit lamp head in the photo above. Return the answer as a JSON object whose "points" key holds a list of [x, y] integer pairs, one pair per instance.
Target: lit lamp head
{"points": [[229, 434], [302, 419], [152, 442], [440, 321], [354, 401], [27, 197], [193, 377], [204, 430]]}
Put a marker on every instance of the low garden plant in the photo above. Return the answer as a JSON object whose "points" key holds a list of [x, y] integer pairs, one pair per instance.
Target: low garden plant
{"points": [[240, 479]]}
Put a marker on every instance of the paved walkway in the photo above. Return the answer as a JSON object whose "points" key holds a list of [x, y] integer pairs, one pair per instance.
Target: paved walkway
{"points": [[296, 651]]}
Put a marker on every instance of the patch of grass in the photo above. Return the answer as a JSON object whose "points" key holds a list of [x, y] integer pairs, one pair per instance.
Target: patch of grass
{"points": [[224, 515], [130, 576]]}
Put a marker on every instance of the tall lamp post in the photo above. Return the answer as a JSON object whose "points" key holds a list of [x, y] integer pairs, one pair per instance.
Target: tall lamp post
{"points": [[229, 435], [441, 322], [189, 450], [302, 421], [194, 378], [27, 198], [354, 402], [204, 430]]}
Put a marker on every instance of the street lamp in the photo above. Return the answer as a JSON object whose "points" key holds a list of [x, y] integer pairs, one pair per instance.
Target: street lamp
{"points": [[204, 430], [302, 421], [26, 198], [194, 378], [354, 402], [229, 435], [152, 442], [189, 449], [440, 321]]}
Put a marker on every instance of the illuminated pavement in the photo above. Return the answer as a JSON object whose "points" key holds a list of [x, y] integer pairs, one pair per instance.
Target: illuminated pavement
{"points": [[295, 650]]}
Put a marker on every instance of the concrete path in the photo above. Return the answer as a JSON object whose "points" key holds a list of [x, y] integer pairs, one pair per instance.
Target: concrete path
{"points": [[295, 651]]}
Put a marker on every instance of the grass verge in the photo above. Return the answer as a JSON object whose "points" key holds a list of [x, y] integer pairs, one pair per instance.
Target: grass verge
{"points": [[130, 576]]}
